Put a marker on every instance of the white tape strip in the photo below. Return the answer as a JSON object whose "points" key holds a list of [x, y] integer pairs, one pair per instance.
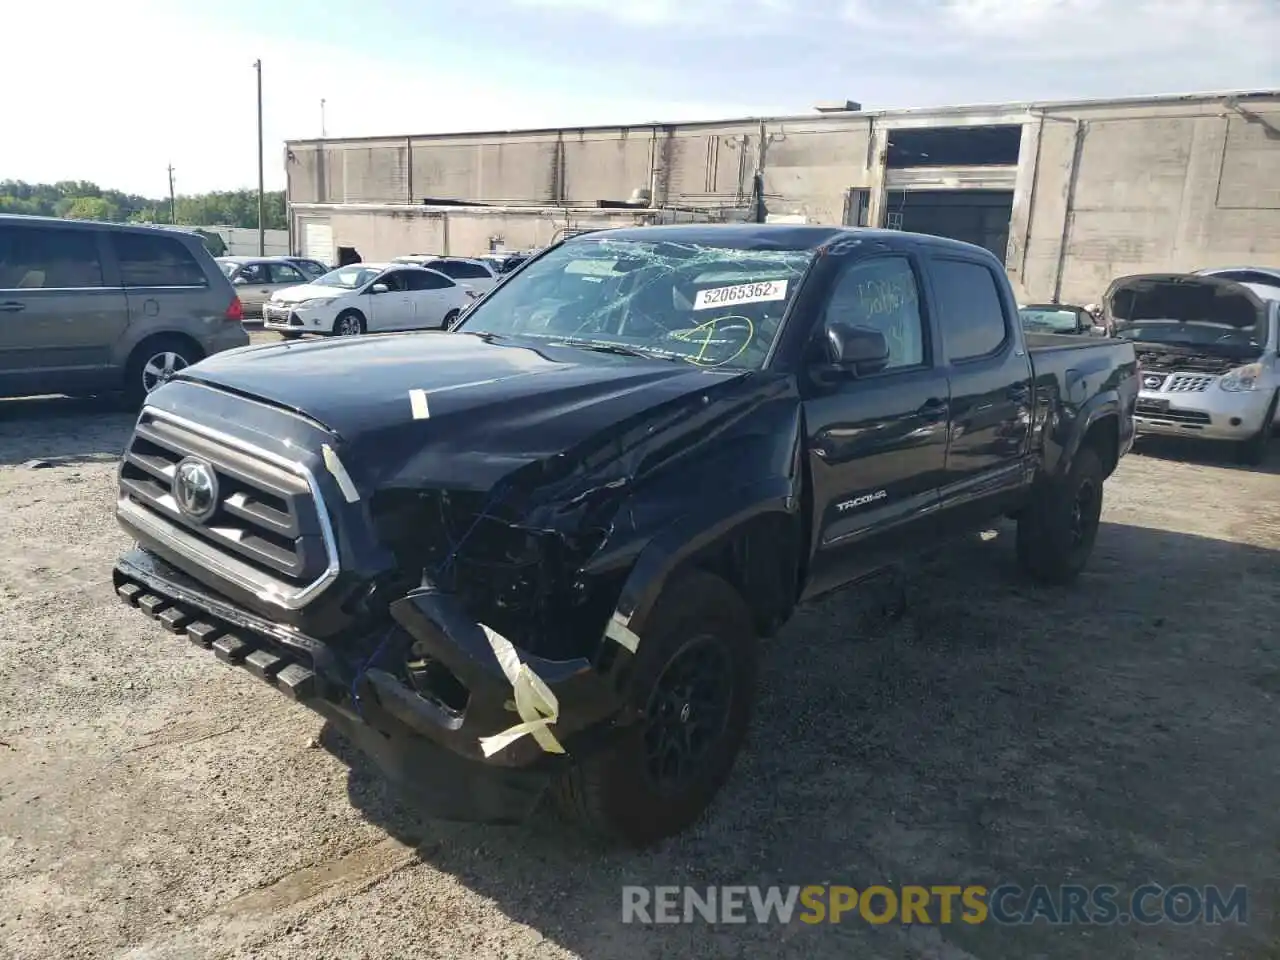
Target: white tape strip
{"points": [[418, 404], [340, 474], [535, 703], [623, 635]]}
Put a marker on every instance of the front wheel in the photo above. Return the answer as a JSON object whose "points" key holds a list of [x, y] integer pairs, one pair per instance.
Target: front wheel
{"points": [[1057, 529], [1253, 452], [348, 324], [690, 697]]}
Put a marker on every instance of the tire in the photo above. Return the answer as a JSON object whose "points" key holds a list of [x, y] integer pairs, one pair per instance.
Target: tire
{"points": [[1253, 452], [349, 323], [1057, 530], [153, 362], [450, 319], [619, 794]]}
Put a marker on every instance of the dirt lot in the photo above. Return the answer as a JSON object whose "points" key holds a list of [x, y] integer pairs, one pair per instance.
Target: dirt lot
{"points": [[155, 803]]}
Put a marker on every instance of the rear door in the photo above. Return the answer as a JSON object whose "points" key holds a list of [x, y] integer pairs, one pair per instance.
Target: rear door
{"points": [[434, 296], [285, 275], [62, 312], [991, 387]]}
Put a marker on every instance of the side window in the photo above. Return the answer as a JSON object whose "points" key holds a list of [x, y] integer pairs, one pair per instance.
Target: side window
{"points": [[882, 293], [969, 308], [284, 273], [253, 273], [45, 258], [428, 280], [394, 279], [153, 260], [470, 271]]}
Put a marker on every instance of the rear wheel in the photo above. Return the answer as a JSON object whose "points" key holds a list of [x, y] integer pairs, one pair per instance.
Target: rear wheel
{"points": [[349, 324], [1057, 529], [691, 692], [450, 319], [153, 364]]}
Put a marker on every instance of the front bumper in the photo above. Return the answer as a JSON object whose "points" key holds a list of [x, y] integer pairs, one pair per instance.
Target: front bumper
{"points": [[426, 746], [297, 318], [1213, 414]]}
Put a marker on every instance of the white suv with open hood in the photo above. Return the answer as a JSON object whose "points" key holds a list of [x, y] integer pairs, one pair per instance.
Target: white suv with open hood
{"points": [[1207, 348]]}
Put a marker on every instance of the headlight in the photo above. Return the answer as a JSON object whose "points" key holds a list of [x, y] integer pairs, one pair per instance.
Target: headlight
{"points": [[1242, 378], [320, 302]]}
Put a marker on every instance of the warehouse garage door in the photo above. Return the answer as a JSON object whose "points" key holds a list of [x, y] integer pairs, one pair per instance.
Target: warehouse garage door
{"points": [[317, 241]]}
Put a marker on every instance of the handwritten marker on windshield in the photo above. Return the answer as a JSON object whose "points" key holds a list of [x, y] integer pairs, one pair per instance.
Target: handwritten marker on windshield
{"points": [[418, 404]]}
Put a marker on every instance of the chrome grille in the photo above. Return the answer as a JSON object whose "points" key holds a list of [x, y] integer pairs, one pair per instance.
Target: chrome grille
{"points": [[266, 517], [1189, 383]]}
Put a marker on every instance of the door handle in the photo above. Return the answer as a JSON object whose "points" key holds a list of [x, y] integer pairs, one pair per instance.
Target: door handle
{"points": [[933, 409], [12, 306]]}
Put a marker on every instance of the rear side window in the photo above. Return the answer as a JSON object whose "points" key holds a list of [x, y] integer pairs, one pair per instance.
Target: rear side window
{"points": [[286, 273], [35, 258], [428, 280], [468, 271], [970, 309], [152, 260]]}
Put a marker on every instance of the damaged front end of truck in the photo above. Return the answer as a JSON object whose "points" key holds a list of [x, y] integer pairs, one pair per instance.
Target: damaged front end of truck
{"points": [[481, 631]]}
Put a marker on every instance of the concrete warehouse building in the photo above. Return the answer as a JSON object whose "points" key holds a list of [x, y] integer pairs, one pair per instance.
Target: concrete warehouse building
{"points": [[1070, 194]]}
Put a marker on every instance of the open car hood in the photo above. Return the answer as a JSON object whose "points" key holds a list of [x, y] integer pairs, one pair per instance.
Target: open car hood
{"points": [[1186, 297]]}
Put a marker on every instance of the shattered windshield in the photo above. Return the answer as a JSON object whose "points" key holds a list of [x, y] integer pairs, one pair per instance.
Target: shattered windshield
{"points": [[705, 305]]}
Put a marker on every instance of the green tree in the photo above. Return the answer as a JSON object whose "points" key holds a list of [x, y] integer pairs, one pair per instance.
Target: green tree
{"points": [[91, 208]]}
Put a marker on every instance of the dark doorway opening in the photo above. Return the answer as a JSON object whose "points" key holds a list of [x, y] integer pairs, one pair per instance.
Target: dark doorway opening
{"points": [[974, 216], [954, 147]]}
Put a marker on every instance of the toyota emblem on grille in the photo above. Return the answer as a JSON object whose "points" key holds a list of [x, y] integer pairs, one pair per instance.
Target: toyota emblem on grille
{"points": [[195, 488], [1153, 381]]}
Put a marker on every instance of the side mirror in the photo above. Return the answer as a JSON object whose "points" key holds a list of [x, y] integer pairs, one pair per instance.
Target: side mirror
{"points": [[856, 350], [379, 288]]}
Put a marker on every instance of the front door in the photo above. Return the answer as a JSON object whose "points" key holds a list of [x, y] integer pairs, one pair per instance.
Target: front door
{"points": [[393, 309], [991, 390], [62, 313], [876, 443], [253, 286]]}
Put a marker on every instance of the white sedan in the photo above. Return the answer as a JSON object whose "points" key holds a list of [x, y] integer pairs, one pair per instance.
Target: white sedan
{"points": [[367, 298]]}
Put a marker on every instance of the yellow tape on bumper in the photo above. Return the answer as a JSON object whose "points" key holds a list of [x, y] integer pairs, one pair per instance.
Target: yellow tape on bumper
{"points": [[535, 703]]}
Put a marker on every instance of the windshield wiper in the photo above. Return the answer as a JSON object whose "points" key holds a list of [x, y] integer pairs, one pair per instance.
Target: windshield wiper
{"points": [[614, 348]]}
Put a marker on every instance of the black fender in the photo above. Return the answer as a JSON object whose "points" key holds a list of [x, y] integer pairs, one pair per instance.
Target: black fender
{"points": [[692, 532], [1098, 408]]}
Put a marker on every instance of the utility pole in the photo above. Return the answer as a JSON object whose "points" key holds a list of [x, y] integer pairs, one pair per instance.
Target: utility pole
{"points": [[173, 206], [262, 196], [323, 130]]}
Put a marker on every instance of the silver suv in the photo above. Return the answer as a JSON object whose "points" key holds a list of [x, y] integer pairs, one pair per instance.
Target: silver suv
{"points": [[96, 307]]}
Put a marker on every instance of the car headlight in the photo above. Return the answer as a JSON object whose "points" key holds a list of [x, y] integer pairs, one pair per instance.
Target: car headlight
{"points": [[319, 302], [1242, 378]]}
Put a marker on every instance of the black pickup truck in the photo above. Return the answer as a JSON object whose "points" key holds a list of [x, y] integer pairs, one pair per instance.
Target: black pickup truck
{"points": [[536, 553]]}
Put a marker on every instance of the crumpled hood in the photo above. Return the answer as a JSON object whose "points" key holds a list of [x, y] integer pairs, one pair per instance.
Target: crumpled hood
{"points": [[491, 406]]}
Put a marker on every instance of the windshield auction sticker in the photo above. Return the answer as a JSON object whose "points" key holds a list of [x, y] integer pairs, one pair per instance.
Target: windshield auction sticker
{"points": [[740, 293]]}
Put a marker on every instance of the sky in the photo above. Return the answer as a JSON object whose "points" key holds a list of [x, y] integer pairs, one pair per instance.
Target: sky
{"points": [[115, 92]]}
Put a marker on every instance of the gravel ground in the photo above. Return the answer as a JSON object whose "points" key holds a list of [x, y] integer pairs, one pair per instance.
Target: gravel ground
{"points": [[157, 804]]}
